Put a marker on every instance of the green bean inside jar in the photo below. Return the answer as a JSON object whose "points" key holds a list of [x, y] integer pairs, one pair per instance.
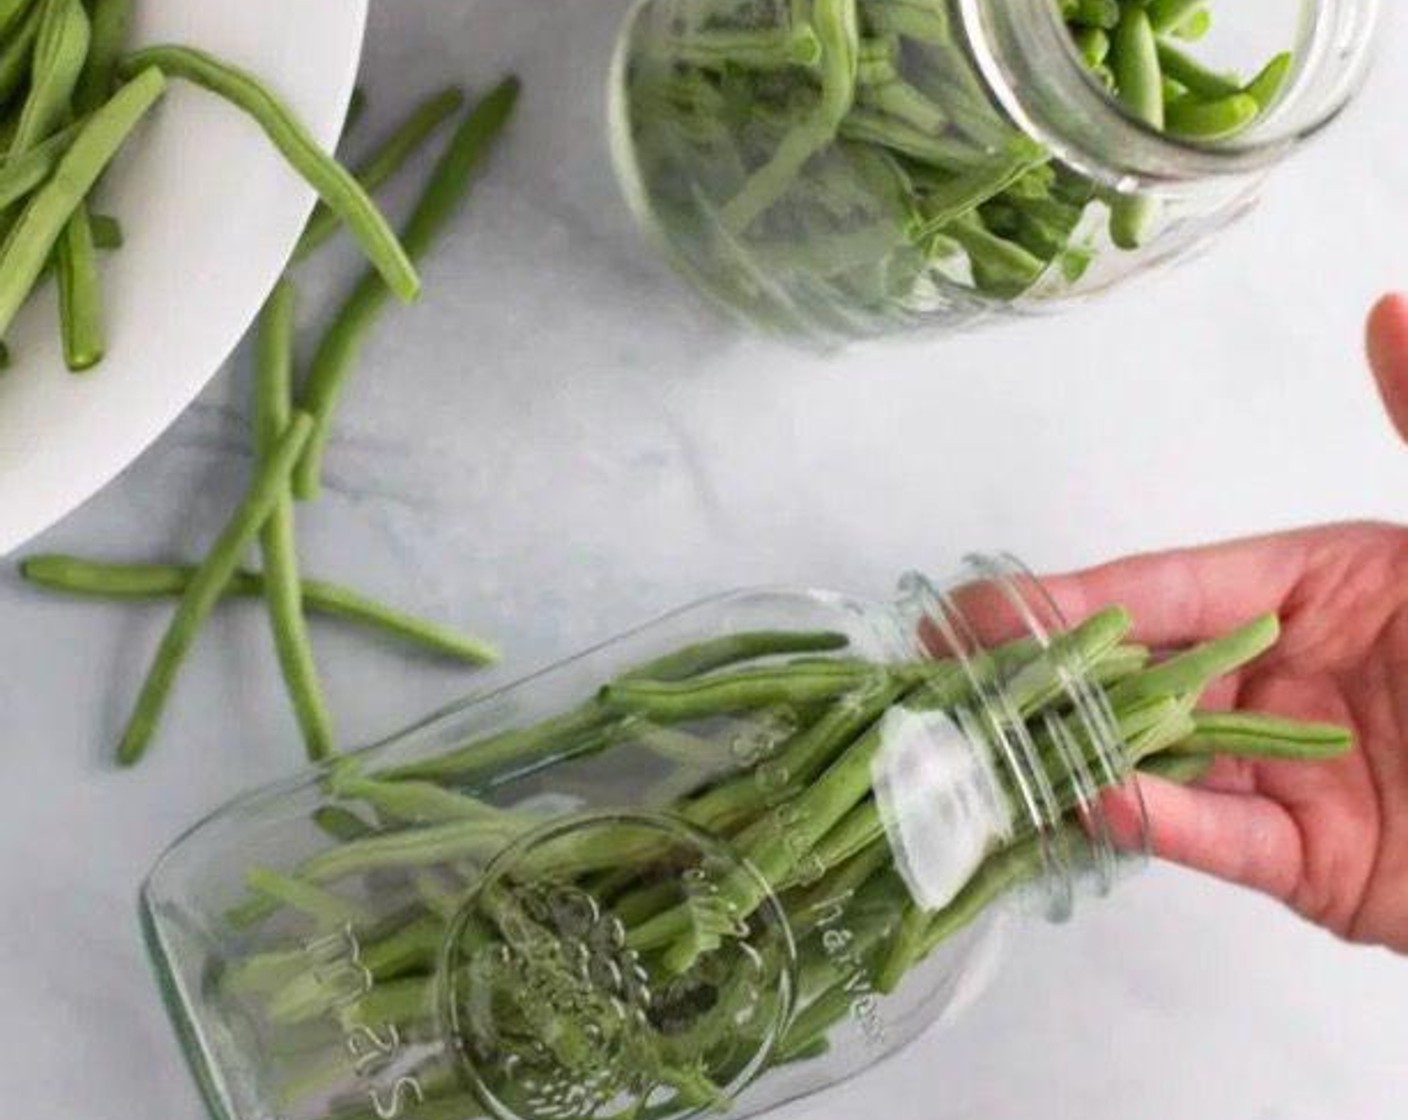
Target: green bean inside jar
{"points": [[724, 861], [834, 169]]}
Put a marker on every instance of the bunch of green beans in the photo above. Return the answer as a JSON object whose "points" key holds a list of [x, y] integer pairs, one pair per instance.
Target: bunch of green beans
{"points": [[70, 97], [401, 850], [842, 163], [291, 417]]}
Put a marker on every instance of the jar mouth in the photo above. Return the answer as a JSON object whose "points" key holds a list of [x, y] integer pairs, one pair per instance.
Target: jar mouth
{"points": [[1034, 70], [1058, 766]]}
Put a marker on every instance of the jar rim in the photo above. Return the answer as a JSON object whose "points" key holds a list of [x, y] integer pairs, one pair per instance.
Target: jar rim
{"points": [[1063, 104], [1028, 604]]}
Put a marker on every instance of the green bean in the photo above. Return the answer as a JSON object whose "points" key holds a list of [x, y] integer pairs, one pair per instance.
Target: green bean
{"points": [[80, 295], [766, 49], [1194, 76], [11, 13], [341, 824], [744, 690], [398, 149], [804, 756], [417, 802], [835, 25], [333, 182], [111, 26], [1184, 769], [107, 231], [208, 584], [48, 211], [1165, 15], [91, 579], [1266, 87], [60, 49], [419, 847], [326, 908], [1193, 670], [443, 195], [283, 590], [20, 175], [1093, 44], [1134, 59], [16, 51], [1194, 27], [1251, 735], [705, 657], [1211, 120]]}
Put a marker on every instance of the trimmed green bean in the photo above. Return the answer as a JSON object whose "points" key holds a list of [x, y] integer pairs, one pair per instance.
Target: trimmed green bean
{"points": [[111, 26], [11, 13], [835, 24], [324, 907], [341, 824], [22, 174], [60, 50], [716, 653], [16, 52], [80, 294], [208, 584], [415, 802], [1211, 120], [1134, 59], [744, 690], [338, 188], [1266, 87], [1194, 76], [74, 576], [1252, 735], [417, 847], [41, 225], [403, 143], [1193, 670], [1184, 769], [441, 199], [1165, 15], [283, 589], [107, 232]]}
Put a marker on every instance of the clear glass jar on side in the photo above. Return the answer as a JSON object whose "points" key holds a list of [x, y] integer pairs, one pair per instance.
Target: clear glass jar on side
{"points": [[840, 169], [716, 864]]}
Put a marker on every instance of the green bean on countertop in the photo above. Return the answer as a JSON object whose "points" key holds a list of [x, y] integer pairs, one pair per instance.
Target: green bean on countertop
{"points": [[208, 584], [91, 579], [403, 143], [442, 197], [273, 408], [334, 183]]}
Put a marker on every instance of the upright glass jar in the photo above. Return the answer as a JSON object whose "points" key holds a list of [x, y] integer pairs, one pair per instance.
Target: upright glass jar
{"points": [[835, 169], [718, 863]]}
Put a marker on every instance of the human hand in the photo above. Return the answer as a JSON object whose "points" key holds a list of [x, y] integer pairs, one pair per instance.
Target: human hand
{"points": [[1328, 839]]}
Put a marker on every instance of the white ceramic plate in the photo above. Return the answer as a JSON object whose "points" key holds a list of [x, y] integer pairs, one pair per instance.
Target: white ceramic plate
{"points": [[210, 213]]}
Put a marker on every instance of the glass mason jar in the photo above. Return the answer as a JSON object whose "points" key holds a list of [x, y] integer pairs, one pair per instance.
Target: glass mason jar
{"points": [[835, 169], [718, 863]]}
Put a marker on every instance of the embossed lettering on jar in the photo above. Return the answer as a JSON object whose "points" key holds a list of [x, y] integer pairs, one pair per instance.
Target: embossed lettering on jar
{"points": [[716, 864]]}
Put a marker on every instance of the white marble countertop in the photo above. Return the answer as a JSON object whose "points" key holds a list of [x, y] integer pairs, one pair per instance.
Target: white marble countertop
{"points": [[559, 443]]}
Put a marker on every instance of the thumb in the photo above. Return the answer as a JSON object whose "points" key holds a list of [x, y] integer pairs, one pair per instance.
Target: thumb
{"points": [[1387, 338]]}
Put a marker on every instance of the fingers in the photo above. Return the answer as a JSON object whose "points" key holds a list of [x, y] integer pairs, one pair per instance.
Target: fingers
{"points": [[1193, 594], [1387, 339], [1239, 837]]}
